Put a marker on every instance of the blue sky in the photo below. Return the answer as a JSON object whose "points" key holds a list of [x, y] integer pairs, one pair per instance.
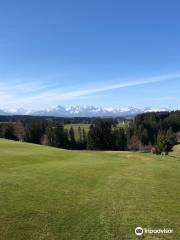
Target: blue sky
{"points": [[89, 52]]}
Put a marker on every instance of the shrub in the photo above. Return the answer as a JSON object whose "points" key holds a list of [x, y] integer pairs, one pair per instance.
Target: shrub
{"points": [[155, 150]]}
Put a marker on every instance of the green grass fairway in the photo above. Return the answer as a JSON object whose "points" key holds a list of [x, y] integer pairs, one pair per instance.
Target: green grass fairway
{"points": [[76, 126], [54, 194]]}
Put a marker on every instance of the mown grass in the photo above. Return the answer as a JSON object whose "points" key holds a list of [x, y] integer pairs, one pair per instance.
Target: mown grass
{"points": [[75, 126], [48, 193], [86, 127]]}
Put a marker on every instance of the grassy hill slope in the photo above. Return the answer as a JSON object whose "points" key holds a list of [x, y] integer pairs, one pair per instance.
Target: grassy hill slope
{"points": [[54, 194], [176, 151]]}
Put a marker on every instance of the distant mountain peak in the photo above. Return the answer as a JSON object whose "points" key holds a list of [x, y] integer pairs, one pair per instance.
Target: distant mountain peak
{"points": [[83, 111]]}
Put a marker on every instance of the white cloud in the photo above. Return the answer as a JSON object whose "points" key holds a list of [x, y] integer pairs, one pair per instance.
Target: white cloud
{"points": [[35, 95]]}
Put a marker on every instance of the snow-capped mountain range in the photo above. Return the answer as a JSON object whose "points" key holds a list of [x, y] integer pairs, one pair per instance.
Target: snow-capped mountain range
{"points": [[82, 111]]}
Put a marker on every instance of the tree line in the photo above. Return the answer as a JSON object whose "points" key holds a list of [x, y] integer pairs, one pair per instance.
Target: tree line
{"points": [[156, 132], [103, 134]]}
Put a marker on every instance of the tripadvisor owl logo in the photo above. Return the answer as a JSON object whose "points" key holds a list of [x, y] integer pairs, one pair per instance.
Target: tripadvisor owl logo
{"points": [[139, 231]]}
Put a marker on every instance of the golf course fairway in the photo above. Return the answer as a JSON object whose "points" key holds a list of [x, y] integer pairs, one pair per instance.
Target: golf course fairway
{"points": [[54, 194]]}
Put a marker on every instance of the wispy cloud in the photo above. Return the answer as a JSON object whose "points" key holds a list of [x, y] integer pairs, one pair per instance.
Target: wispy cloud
{"points": [[130, 83], [34, 95]]}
